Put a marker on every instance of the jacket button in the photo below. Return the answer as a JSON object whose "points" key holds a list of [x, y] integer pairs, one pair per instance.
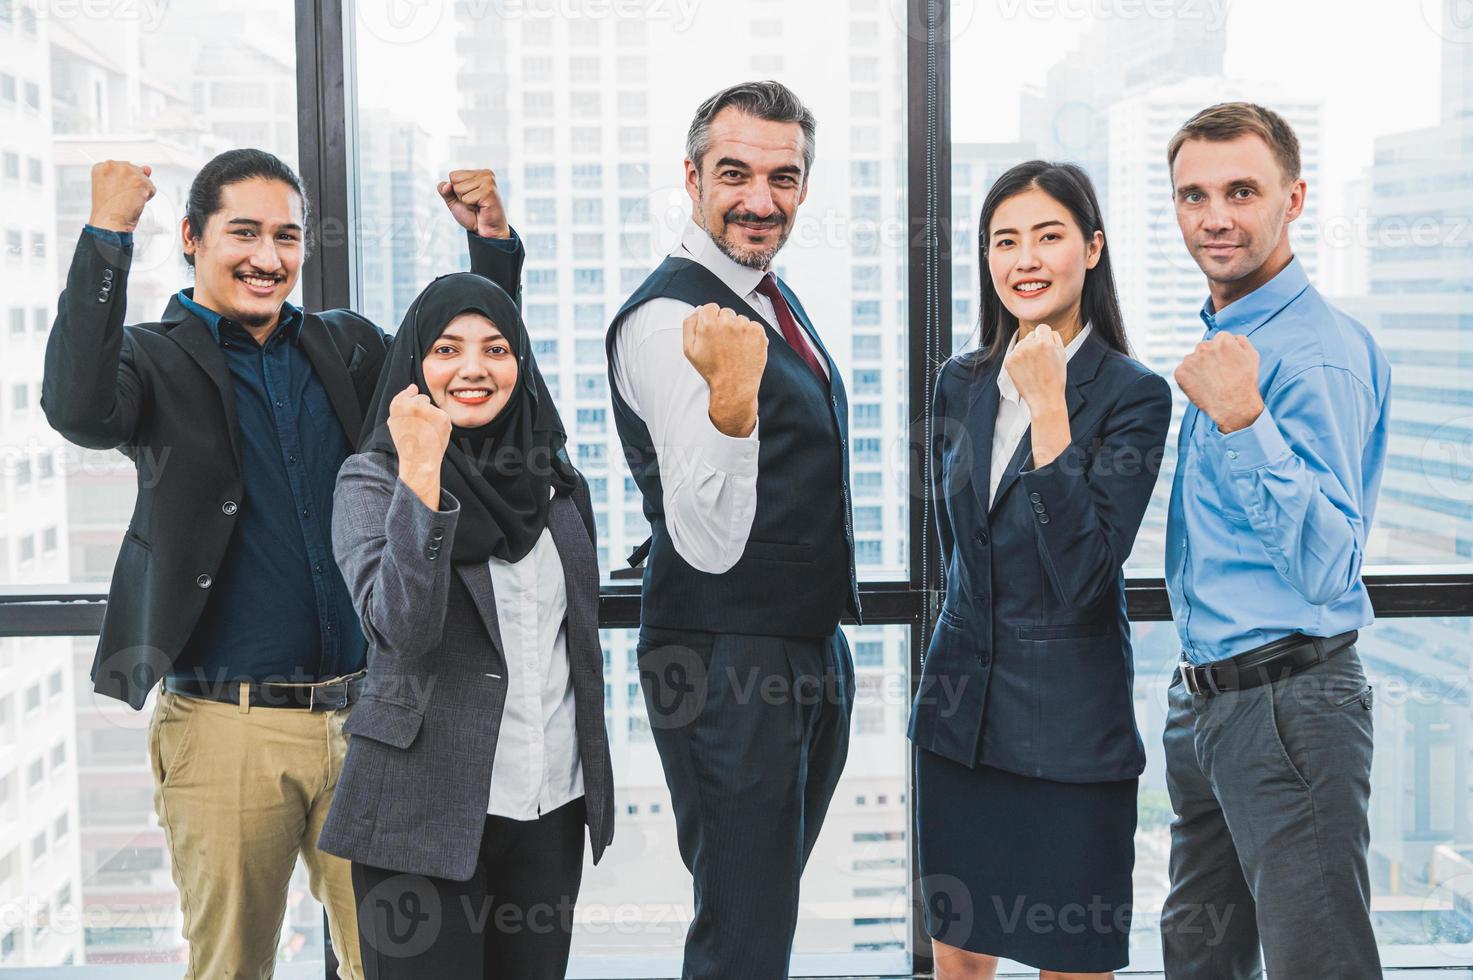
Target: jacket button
{"points": [[107, 275], [981, 536], [229, 508], [437, 534], [1034, 497], [1038, 508], [102, 296], [203, 581], [1043, 518], [431, 554]]}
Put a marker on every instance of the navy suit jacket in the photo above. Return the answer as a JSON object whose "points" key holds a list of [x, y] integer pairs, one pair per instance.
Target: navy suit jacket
{"points": [[1030, 668]]}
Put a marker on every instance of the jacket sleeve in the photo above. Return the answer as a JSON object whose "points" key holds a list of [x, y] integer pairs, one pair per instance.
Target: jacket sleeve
{"points": [[1087, 513], [394, 553], [92, 391], [499, 260], [943, 432]]}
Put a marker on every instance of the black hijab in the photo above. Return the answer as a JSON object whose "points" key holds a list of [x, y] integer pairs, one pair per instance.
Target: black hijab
{"points": [[501, 471]]}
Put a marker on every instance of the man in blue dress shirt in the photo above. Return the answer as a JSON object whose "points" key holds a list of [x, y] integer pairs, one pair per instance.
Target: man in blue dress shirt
{"points": [[1268, 737], [238, 409]]}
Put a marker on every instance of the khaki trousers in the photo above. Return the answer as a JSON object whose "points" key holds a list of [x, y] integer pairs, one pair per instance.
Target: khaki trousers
{"points": [[240, 792]]}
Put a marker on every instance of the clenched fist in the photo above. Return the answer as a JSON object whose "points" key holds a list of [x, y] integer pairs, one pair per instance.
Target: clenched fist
{"points": [[473, 199], [730, 352], [119, 192], [421, 431], [1221, 378], [1039, 367]]}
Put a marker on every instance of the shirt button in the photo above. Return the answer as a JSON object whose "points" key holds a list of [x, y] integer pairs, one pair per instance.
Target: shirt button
{"points": [[279, 404], [203, 581], [229, 508], [328, 627], [292, 458], [306, 513], [1232, 454], [317, 568]]}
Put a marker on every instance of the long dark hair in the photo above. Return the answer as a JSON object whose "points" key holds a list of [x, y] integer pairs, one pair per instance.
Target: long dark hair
{"points": [[1098, 304]]}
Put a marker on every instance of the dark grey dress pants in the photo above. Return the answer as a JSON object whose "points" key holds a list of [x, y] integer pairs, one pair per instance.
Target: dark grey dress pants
{"points": [[1268, 850]]}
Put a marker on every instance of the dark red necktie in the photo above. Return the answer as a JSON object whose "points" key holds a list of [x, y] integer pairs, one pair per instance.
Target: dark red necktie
{"points": [[792, 333]]}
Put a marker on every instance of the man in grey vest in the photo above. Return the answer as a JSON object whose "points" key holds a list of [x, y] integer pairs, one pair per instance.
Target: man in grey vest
{"points": [[747, 677]]}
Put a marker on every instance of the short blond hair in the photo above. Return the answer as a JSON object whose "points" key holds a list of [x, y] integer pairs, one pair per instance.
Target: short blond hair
{"points": [[1229, 120]]}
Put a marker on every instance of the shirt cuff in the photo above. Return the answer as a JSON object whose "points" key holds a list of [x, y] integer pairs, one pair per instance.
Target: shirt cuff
{"points": [[736, 455], [1256, 446], [117, 239], [508, 244]]}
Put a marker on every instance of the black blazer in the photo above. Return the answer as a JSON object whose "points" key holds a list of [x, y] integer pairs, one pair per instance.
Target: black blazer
{"points": [[161, 392], [1030, 667]]}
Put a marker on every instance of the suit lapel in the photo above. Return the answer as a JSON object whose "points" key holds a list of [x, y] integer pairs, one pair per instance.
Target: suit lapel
{"points": [[980, 422], [1081, 371], [333, 373], [477, 579], [574, 550], [190, 333]]}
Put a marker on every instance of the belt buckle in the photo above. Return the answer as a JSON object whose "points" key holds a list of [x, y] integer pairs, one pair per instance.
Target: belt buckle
{"points": [[325, 704], [1189, 678]]}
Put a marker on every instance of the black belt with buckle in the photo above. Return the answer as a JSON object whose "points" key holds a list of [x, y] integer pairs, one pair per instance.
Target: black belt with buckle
{"points": [[325, 696], [1263, 665]]}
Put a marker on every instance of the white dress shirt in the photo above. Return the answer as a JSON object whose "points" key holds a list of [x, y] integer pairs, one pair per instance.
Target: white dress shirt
{"points": [[709, 478], [537, 768], [1013, 417]]}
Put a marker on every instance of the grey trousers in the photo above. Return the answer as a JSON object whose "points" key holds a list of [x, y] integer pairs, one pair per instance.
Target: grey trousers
{"points": [[1268, 849]]}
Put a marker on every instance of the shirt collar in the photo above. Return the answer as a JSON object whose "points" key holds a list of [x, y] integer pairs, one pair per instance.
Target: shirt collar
{"points": [[291, 317], [1247, 314], [1005, 380], [700, 247]]}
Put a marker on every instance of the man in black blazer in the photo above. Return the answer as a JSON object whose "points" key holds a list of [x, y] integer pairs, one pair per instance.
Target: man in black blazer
{"points": [[237, 408]]}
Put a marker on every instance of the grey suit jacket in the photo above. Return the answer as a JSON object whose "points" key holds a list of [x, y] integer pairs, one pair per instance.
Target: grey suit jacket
{"points": [[413, 792]]}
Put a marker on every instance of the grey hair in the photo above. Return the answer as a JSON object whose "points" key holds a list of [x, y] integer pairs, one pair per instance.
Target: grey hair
{"points": [[768, 100]]}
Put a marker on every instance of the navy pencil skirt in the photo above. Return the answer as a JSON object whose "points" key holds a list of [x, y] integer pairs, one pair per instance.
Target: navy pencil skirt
{"points": [[1027, 869]]}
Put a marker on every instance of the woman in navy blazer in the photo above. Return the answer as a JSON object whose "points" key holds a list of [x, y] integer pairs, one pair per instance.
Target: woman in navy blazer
{"points": [[1048, 440]]}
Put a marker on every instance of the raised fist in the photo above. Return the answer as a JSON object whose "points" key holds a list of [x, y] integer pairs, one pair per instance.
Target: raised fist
{"points": [[473, 199], [119, 192], [420, 430]]}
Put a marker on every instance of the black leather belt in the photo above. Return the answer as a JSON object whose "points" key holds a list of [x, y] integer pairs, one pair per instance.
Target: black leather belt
{"points": [[325, 696], [1263, 665]]}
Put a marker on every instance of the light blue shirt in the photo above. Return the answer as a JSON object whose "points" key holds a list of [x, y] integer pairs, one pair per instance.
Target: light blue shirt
{"points": [[1267, 527]]}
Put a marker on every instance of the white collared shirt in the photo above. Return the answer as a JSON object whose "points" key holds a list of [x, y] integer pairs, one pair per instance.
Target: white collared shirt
{"points": [[1013, 417], [709, 479], [537, 768]]}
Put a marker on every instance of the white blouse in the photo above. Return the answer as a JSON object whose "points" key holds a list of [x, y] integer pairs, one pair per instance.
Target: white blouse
{"points": [[537, 768]]}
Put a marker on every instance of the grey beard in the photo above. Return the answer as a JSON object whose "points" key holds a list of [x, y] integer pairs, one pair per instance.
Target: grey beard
{"points": [[758, 260]]}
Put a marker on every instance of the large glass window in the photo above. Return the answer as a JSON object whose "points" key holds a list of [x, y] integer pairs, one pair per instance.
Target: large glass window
{"points": [[84, 877], [1384, 232], [1383, 237], [422, 110]]}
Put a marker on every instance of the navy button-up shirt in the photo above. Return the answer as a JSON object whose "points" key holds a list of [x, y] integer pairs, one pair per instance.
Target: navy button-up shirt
{"points": [[279, 609]]}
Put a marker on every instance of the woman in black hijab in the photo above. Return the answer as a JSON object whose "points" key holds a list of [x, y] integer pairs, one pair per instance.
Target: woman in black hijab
{"points": [[462, 868]]}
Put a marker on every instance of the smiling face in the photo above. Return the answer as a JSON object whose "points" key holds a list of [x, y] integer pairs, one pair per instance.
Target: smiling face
{"points": [[749, 185], [1037, 257], [470, 371], [1234, 204], [249, 253]]}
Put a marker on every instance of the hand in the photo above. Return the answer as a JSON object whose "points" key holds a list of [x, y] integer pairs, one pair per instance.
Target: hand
{"points": [[421, 431], [1039, 368], [473, 199], [119, 192], [1221, 378], [730, 352]]}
